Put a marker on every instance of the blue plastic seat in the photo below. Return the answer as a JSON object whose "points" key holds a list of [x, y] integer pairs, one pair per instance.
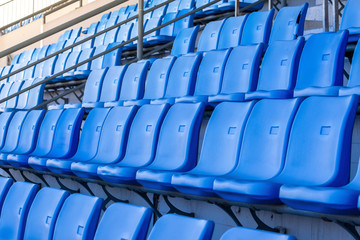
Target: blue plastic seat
{"points": [[16, 58], [65, 36], [65, 140], [351, 20], [72, 60], [156, 81], [241, 233], [257, 28], [49, 67], [321, 131], [5, 89], [124, 221], [5, 184], [209, 76], [85, 45], [186, 4], [177, 146], [209, 38], [110, 36], [75, 33], [11, 103], [321, 65], [15, 210], [43, 213], [173, 7], [43, 52], [34, 95], [5, 119], [231, 32], [132, 8], [220, 149], [240, 74], [184, 42], [82, 71], [279, 70], [124, 33], [289, 23], [229, 5], [26, 56], [92, 29], [167, 227], [212, 9], [82, 225], [112, 142], [60, 65], [144, 132]]}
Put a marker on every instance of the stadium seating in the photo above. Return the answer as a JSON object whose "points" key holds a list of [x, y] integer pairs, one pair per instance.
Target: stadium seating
{"points": [[241, 233], [351, 20]]}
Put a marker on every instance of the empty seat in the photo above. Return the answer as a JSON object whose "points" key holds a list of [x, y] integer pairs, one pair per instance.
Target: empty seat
{"points": [[124, 221], [209, 38], [81, 225], [5, 184], [185, 41], [231, 32], [124, 33], [167, 227], [43, 213], [321, 65], [5, 119], [177, 146], [144, 132], [279, 70], [71, 61], [82, 71], [321, 131], [15, 210], [65, 36], [351, 20], [220, 149], [241, 233]]}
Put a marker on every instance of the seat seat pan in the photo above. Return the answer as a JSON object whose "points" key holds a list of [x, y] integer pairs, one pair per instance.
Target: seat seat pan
{"points": [[192, 99], [354, 34], [154, 40], [163, 101], [317, 91], [60, 166], [85, 170], [117, 174], [275, 94], [38, 163], [155, 179], [344, 91], [194, 184], [140, 102], [234, 97], [82, 74], [113, 104], [18, 160]]}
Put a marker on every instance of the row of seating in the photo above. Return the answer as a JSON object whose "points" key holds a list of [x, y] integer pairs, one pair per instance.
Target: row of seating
{"points": [[49, 213]]}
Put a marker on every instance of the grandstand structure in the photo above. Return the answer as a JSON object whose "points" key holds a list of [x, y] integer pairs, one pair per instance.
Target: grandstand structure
{"points": [[180, 119]]}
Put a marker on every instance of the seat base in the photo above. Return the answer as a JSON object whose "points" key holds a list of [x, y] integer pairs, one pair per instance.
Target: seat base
{"points": [[194, 184], [155, 179]]}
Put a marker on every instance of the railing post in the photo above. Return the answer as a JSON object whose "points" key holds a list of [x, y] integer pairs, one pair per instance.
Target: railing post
{"points": [[336, 14], [325, 15], [237, 8], [269, 4], [140, 30]]}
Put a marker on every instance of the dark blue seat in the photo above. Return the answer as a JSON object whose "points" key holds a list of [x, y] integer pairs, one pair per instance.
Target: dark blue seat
{"points": [[177, 146], [209, 38], [321, 131], [240, 74], [167, 227], [184, 42], [231, 32], [351, 20], [82, 225], [209, 76], [15, 210], [132, 222], [321, 65], [144, 131], [241, 233], [5, 184], [279, 70], [43, 213], [220, 149]]}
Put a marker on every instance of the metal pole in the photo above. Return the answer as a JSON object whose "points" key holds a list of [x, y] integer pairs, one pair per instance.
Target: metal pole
{"points": [[325, 15], [336, 15], [237, 8], [140, 30], [269, 4]]}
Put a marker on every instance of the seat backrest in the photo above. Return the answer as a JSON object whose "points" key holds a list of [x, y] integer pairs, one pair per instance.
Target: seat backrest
{"points": [[322, 60], [73, 59], [231, 32], [112, 58], [5, 92], [167, 227], [185, 41], [182, 76], [111, 85], [5, 119], [157, 77], [98, 62], [35, 94], [354, 79], [184, 23], [43, 213], [65, 36], [133, 83], [241, 233], [67, 134], [14, 68], [84, 55], [257, 28], [92, 29], [15, 87], [23, 98], [15, 210], [168, 30], [132, 222], [173, 7], [93, 85], [29, 72], [5, 184], [210, 36], [242, 69], [124, 33], [75, 33], [152, 23], [322, 131], [186, 4], [26, 56], [43, 52], [114, 135], [110, 36], [49, 66], [289, 23], [61, 61], [178, 139], [210, 73], [144, 132], [82, 225], [13, 133], [280, 65], [85, 45], [351, 17]]}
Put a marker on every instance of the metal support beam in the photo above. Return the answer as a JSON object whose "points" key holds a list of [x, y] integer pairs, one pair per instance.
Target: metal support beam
{"points": [[140, 30], [335, 10], [326, 15], [237, 8]]}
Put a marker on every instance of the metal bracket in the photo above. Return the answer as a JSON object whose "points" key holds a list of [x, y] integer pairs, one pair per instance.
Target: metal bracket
{"points": [[176, 210], [153, 204], [40, 176], [62, 186], [350, 229], [110, 197], [7, 170], [227, 209], [261, 224]]}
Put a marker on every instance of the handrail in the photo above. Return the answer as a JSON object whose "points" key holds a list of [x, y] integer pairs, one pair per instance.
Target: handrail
{"points": [[119, 46]]}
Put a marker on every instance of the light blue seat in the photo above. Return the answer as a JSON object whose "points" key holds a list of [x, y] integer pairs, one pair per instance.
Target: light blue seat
{"points": [[156, 81], [186, 4], [106, 38], [173, 7], [241, 233], [240, 74], [86, 45], [220, 149], [82, 225], [75, 33], [124, 33], [49, 66], [212, 9], [26, 56], [177, 146], [112, 142], [110, 36], [289, 23], [321, 65], [82, 71], [43, 213], [15, 210], [65, 36], [16, 58], [229, 5], [152, 23], [209, 76], [231, 32], [209, 38], [257, 28], [279, 70], [351, 20], [144, 132], [64, 143], [35, 95], [88, 144], [5, 184], [59, 66], [182, 78], [321, 131], [124, 221], [184, 42], [43, 52], [11, 103], [72, 60], [5, 119], [167, 227]]}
